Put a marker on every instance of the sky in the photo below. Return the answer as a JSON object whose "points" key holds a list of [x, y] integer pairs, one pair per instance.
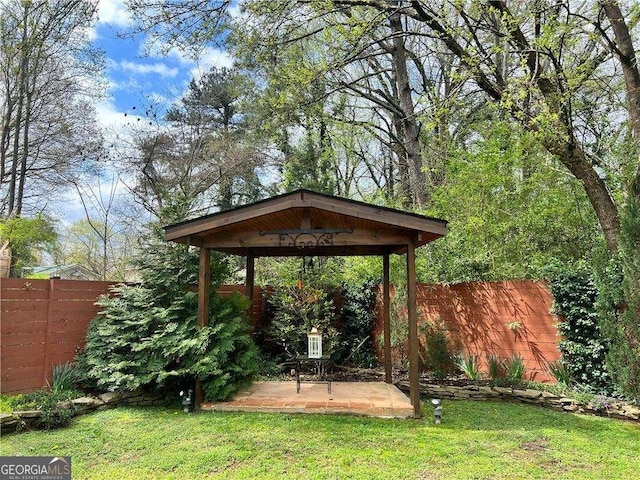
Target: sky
{"points": [[134, 79], [132, 76]]}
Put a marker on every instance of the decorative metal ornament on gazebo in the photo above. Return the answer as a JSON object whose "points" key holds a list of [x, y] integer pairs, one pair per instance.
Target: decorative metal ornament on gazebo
{"points": [[314, 339]]}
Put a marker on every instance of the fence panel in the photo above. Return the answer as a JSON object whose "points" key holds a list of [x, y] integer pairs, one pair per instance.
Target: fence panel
{"points": [[44, 322]]}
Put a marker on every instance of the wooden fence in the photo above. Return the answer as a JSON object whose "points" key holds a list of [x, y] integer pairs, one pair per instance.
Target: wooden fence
{"points": [[44, 322], [505, 319]]}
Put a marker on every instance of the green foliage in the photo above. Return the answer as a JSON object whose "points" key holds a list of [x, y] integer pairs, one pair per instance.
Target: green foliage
{"points": [[54, 406], [436, 350], [27, 237], [398, 325], [358, 318], [147, 336], [295, 312], [64, 377], [496, 367], [510, 213], [619, 305], [583, 344], [560, 372], [514, 369], [469, 364]]}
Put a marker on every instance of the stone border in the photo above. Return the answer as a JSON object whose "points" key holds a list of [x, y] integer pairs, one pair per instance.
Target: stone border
{"points": [[26, 419], [617, 410]]}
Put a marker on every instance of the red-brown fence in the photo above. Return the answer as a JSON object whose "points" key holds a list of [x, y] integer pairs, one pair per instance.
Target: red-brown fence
{"points": [[505, 319], [43, 322]]}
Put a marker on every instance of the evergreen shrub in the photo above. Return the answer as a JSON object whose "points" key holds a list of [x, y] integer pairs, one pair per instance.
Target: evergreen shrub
{"points": [[583, 345], [619, 305], [146, 336], [358, 315]]}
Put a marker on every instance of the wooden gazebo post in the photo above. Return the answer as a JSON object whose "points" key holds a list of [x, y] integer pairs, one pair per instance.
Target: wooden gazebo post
{"points": [[414, 370], [250, 281], [204, 294], [386, 317]]}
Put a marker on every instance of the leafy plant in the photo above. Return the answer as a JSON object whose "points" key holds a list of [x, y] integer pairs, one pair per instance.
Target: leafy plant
{"points": [[64, 377], [514, 369], [436, 349], [55, 410], [560, 372], [147, 336], [358, 319], [398, 325], [496, 367], [470, 365], [583, 345], [295, 312], [601, 403], [619, 304]]}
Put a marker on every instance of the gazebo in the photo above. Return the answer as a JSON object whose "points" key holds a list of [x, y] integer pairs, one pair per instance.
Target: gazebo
{"points": [[306, 223]]}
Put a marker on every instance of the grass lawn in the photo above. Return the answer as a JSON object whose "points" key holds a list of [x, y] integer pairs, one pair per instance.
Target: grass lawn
{"points": [[476, 440]]}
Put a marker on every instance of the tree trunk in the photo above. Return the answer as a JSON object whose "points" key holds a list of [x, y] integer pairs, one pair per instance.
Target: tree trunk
{"points": [[410, 128], [13, 205], [606, 210], [627, 55]]}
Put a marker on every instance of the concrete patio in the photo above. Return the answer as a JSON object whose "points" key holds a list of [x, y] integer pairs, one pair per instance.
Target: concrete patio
{"points": [[372, 399]]}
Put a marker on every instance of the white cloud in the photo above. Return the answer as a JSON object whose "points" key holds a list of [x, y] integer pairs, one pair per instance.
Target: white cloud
{"points": [[140, 68], [211, 57], [113, 12]]}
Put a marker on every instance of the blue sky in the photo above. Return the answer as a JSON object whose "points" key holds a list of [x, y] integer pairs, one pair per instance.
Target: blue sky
{"points": [[133, 77]]}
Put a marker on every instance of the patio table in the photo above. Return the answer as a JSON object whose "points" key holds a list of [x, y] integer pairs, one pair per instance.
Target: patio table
{"points": [[322, 365]]}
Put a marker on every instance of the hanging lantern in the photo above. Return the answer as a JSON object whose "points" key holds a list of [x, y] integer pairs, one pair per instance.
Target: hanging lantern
{"points": [[314, 338]]}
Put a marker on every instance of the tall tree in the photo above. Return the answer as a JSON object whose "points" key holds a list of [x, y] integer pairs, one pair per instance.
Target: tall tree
{"points": [[204, 155], [47, 126]]}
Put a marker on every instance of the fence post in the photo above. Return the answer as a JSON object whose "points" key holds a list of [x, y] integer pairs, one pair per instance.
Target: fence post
{"points": [[45, 359]]}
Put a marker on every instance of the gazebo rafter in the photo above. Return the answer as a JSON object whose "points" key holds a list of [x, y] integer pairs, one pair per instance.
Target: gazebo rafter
{"points": [[304, 223]]}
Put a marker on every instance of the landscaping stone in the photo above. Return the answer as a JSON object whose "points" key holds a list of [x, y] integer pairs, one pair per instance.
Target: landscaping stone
{"points": [[530, 396], [26, 414], [111, 397], [86, 404]]}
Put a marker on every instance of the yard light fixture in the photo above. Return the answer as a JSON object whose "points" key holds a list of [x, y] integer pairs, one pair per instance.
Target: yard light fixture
{"points": [[186, 400], [314, 338], [437, 411]]}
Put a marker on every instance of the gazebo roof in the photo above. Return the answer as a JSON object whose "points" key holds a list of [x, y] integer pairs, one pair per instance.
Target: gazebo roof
{"points": [[303, 222]]}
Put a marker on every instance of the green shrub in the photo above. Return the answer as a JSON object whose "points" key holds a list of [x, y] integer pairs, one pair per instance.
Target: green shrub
{"points": [[560, 372], [469, 365], [147, 336], [436, 349], [496, 367], [619, 304], [295, 311], [64, 377], [358, 317], [583, 345], [514, 370], [54, 406]]}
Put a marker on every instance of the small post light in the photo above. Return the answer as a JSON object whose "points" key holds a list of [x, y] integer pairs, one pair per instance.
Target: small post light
{"points": [[314, 338], [437, 411], [186, 400]]}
